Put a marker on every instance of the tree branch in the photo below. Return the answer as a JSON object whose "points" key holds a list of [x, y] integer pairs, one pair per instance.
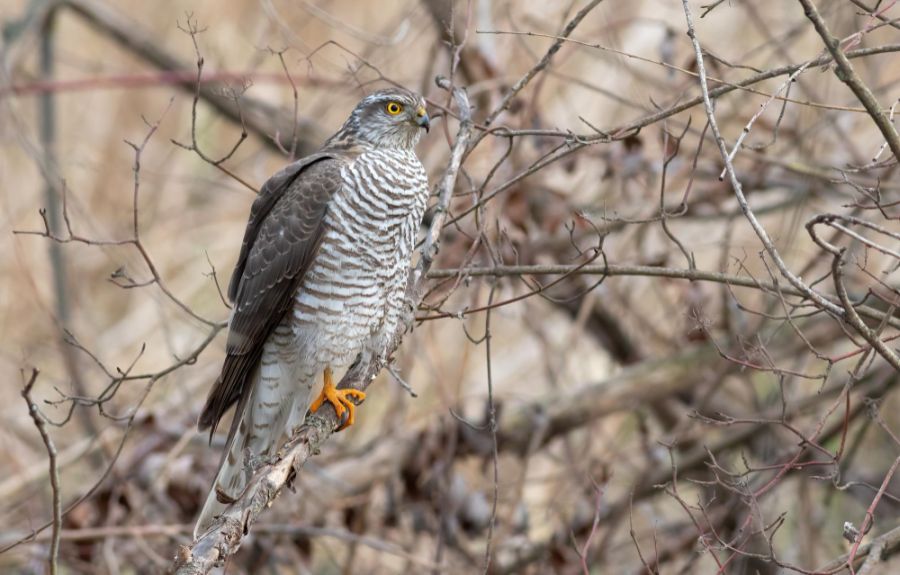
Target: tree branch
{"points": [[41, 424], [611, 270], [259, 117], [846, 74]]}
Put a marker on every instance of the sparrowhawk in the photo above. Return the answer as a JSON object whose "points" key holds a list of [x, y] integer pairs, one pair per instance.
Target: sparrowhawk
{"points": [[319, 282]]}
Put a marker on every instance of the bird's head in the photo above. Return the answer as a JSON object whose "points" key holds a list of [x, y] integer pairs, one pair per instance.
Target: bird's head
{"points": [[393, 117]]}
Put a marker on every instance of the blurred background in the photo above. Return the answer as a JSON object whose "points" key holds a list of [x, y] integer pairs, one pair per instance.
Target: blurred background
{"points": [[690, 411]]}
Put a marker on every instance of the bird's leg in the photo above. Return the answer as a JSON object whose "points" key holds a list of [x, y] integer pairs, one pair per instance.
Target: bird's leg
{"points": [[339, 398]]}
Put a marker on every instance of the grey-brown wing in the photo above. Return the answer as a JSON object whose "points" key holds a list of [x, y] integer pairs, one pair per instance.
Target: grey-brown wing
{"points": [[269, 194], [281, 241]]}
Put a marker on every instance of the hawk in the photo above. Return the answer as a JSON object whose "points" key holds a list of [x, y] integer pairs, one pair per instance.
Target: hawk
{"points": [[319, 283]]}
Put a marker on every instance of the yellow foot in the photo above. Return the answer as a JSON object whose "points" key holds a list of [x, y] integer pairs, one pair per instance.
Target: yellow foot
{"points": [[339, 398]]}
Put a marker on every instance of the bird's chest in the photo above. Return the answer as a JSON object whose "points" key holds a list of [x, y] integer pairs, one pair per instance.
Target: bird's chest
{"points": [[375, 215], [354, 288]]}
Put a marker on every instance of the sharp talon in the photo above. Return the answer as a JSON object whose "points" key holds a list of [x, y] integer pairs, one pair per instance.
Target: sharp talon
{"points": [[340, 399]]}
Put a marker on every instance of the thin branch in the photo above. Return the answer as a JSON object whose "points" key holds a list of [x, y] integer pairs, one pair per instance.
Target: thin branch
{"points": [[760, 231], [260, 117], [492, 426], [41, 424], [870, 514], [846, 74], [883, 544], [540, 66], [612, 270]]}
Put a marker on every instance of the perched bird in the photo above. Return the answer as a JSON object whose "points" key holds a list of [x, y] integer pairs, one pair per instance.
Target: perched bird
{"points": [[319, 283]]}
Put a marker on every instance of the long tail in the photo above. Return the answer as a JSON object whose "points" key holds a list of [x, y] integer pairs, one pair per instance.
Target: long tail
{"points": [[275, 403], [231, 477]]}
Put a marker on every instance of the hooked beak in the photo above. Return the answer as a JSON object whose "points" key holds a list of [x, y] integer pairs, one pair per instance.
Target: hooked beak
{"points": [[422, 119]]}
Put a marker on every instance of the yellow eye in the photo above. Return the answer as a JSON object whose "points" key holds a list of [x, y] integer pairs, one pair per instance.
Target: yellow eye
{"points": [[394, 108]]}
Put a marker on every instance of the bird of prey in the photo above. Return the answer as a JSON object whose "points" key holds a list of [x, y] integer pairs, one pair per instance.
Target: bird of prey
{"points": [[319, 283]]}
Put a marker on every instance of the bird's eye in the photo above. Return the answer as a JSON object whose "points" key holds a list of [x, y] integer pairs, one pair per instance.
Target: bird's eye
{"points": [[394, 108]]}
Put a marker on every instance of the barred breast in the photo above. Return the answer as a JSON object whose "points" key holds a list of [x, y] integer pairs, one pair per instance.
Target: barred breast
{"points": [[353, 291]]}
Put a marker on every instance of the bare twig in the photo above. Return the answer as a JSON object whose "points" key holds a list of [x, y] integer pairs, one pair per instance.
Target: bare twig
{"points": [[758, 228], [259, 117], [846, 74], [539, 67], [41, 425], [612, 270], [492, 427]]}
